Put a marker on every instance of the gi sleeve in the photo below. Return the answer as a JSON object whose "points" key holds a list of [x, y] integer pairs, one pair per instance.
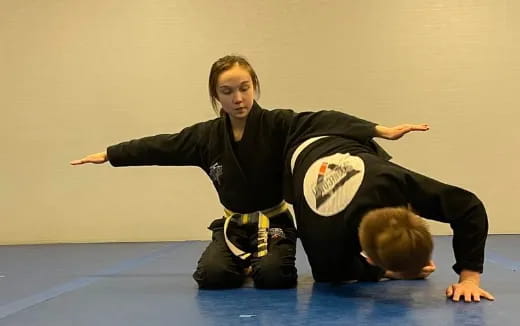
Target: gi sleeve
{"points": [[462, 209], [181, 148], [331, 123], [368, 272]]}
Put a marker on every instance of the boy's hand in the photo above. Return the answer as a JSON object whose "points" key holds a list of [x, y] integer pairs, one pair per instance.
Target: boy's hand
{"points": [[427, 270], [468, 288], [424, 273]]}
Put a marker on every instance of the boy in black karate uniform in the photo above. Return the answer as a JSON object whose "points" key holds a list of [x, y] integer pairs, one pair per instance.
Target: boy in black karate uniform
{"points": [[333, 182]]}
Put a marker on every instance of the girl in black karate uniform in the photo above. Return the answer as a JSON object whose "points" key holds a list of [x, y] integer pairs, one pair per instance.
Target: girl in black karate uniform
{"points": [[242, 152]]}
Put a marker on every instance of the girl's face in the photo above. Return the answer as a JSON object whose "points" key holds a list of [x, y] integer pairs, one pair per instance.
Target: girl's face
{"points": [[235, 92]]}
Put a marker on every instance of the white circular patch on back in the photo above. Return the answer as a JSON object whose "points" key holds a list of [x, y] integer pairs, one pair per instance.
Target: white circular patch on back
{"points": [[331, 182]]}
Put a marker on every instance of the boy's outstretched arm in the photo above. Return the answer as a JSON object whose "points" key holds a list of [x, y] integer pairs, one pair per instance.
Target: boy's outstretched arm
{"points": [[467, 217]]}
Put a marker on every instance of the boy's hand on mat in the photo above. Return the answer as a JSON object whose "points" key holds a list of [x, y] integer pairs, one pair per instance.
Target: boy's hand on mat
{"points": [[424, 273], [468, 291], [468, 288], [427, 270], [97, 158], [393, 133]]}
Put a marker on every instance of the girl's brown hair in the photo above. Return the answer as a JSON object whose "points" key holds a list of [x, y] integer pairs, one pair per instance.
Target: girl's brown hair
{"points": [[224, 64]]}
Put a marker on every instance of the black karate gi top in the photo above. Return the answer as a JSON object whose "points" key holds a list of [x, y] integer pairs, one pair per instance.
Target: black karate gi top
{"points": [[247, 175], [332, 243]]}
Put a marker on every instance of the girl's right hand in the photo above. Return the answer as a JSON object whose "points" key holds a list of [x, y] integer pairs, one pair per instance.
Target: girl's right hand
{"points": [[97, 158]]}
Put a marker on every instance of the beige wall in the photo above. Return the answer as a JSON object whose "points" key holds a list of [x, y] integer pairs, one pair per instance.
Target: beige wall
{"points": [[76, 76]]}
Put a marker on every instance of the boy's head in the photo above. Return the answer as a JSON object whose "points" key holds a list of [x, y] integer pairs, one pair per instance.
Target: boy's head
{"points": [[396, 239]]}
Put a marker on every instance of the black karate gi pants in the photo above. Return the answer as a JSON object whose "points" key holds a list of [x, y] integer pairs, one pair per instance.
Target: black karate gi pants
{"points": [[219, 268]]}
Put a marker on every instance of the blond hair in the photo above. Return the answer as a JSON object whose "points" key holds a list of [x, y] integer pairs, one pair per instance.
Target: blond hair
{"points": [[396, 239]]}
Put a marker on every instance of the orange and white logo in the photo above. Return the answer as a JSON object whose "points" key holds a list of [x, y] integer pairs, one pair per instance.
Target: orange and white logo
{"points": [[331, 182]]}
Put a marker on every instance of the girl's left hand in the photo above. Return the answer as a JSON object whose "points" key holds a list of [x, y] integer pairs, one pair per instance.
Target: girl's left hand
{"points": [[393, 133]]}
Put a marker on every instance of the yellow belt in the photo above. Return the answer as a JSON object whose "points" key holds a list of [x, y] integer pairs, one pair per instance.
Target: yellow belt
{"points": [[263, 228]]}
